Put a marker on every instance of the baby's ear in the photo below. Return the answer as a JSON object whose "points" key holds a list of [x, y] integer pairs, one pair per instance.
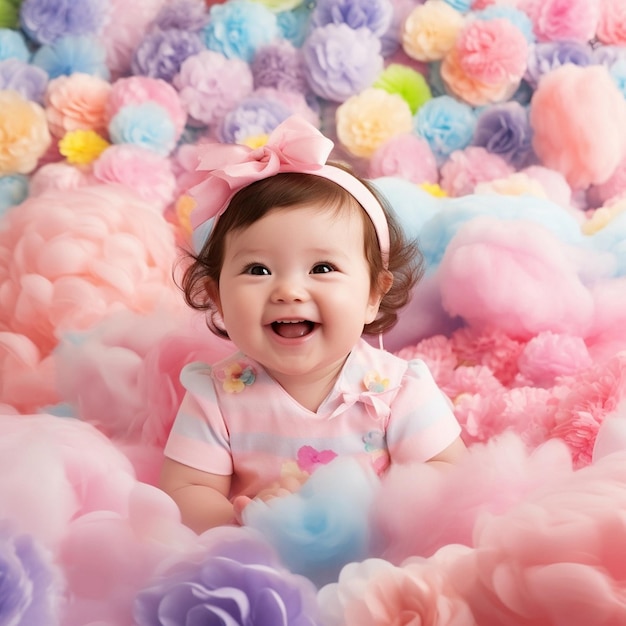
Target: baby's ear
{"points": [[385, 281], [213, 292]]}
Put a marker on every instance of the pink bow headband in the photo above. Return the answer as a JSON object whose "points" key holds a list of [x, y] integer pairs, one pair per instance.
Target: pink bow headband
{"points": [[294, 146]]}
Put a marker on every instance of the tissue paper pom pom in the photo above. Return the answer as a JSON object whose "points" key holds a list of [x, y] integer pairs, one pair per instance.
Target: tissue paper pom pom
{"points": [[406, 82], [239, 28], [431, 30], [294, 101], [183, 14], [75, 258], [611, 29], [548, 356], [24, 135], [279, 65], [436, 351], [504, 129], [161, 53], [377, 593], [515, 276], [374, 15], [515, 16], [81, 147], [13, 45], [555, 20], [57, 176], [545, 57], [28, 80], [210, 85], [45, 21], [236, 578], [13, 190], [340, 62], [466, 168], [142, 89], [77, 102], [446, 124], [585, 142], [406, 156], [613, 188], [367, 120], [145, 171], [277, 6], [31, 587]]}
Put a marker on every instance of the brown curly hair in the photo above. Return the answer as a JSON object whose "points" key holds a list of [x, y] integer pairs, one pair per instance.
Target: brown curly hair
{"points": [[293, 190]]}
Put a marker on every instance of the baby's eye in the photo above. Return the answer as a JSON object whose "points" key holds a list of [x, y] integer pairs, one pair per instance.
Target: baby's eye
{"points": [[257, 270], [322, 268]]}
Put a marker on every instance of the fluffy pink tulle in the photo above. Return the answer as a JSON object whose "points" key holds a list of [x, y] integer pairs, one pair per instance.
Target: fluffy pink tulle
{"points": [[514, 276], [611, 28], [73, 259], [578, 116], [61, 176], [466, 168], [558, 20]]}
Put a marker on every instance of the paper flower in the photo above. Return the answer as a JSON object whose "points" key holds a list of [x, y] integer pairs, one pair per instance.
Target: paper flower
{"points": [[236, 580], [406, 82], [280, 6], [161, 53], [515, 16], [24, 135], [187, 15], [77, 102], [239, 28], [30, 587], [610, 29], [293, 25], [618, 74], [375, 15], [58, 175], [210, 85], [547, 56], [70, 54], [340, 61], [28, 80], [279, 65], [81, 147], [504, 129], [446, 124], [13, 190], [367, 120], [554, 20], [13, 45]]}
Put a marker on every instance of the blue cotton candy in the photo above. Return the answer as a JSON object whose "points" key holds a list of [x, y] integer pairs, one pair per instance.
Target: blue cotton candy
{"points": [[324, 526]]}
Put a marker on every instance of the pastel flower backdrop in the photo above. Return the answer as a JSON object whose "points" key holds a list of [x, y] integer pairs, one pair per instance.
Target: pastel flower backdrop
{"points": [[496, 128]]}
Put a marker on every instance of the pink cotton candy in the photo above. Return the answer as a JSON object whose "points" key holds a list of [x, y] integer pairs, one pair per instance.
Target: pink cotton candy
{"points": [[466, 168], [578, 116], [553, 183], [513, 276], [406, 156], [612, 188], [558, 20]]}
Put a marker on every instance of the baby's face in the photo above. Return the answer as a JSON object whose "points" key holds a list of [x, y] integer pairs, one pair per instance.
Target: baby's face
{"points": [[294, 290]]}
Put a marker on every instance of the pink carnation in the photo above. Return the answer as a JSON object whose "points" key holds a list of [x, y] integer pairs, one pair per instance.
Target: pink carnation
{"points": [[578, 116], [405, 156], [149, 174], [559, 20], [611, 28], [437, 353], [465, 168], [77, 101], [141, 89], [72, 259]]}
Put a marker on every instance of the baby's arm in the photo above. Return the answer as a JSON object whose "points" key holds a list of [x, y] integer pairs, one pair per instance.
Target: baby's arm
{"points": [[450, 455], [201, 497]]}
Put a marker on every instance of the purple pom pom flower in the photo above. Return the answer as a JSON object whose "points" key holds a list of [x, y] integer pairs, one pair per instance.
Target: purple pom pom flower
{"points": [[28, 80], [375, 15], [161, 53], [237, 580], [182, 14], [341, 62], [29, 589], [545, 57], [279, 65], [239, 28], [504, 129], [45, 21]]}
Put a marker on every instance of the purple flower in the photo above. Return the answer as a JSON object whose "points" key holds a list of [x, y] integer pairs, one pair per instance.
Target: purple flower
{"points": [[237, 581], [252, 117], [29, 590], [340, 62], [281, 66], [162, 52], [182, 14], [504, 129], [376, 15], [26, 79], [46, 20], [545, 57], [239, 28]]}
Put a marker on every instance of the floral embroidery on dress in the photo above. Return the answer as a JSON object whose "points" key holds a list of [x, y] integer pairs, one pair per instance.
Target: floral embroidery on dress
{"points": [[376, 446], [374, 382], [236, 376]]}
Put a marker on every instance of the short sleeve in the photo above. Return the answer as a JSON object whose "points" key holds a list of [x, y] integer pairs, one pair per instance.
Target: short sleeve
{"points": [[422, 423], [199, 436]]}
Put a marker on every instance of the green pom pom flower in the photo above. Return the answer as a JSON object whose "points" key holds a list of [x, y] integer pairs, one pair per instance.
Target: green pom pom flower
{"points": [[407, 83], [10, 13]]}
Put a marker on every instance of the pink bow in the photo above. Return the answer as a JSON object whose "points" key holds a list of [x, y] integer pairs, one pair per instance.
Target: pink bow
{"points": [[293, 146]]}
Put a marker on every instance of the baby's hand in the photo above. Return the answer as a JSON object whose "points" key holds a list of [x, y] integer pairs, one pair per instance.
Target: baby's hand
{"points": [[284, 487]]}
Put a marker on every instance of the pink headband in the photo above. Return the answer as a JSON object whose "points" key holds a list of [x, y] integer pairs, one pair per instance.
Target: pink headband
{"points": [[294, 146]]}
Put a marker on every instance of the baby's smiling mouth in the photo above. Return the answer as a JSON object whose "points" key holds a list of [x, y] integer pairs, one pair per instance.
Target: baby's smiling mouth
{"points": [[292, 329]]}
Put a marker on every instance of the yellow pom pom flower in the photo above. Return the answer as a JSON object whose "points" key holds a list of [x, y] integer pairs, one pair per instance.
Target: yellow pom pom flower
{"points": [[81, 147], [434, 190]]}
